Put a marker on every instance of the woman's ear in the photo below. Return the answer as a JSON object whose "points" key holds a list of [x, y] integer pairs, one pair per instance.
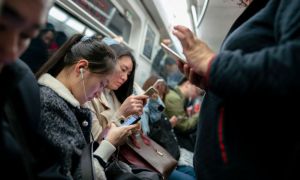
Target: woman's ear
{"points": [[81, 66]]}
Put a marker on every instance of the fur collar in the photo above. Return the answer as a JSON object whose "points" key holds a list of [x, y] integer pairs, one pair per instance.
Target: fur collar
{"points": [[54, 84]]}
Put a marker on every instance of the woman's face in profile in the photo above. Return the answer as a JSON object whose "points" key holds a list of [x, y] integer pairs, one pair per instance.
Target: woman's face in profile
{"points": [[122, 71]]}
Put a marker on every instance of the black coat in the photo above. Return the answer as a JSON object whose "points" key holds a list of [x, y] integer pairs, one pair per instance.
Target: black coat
{"points": [[248, 124], [19, 117], [36, 54]]}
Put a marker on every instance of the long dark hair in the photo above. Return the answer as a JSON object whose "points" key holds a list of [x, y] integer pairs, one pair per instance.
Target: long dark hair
{"points": [[127, 88], [101, 58]]}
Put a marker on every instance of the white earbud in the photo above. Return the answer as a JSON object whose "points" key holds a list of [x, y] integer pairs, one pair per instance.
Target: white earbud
{"points": [[81, 73], [81, 76]]}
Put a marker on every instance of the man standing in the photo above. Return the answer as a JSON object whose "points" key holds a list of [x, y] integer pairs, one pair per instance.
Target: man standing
{"points": [[20, 21]]}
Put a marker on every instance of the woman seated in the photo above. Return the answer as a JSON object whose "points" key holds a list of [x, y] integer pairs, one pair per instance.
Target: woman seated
{"points": [[117, 100], [75, 74], [157, 126]]}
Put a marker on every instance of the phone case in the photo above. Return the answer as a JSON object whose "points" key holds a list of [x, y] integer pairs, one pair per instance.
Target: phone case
{"points": [[131, 120]]}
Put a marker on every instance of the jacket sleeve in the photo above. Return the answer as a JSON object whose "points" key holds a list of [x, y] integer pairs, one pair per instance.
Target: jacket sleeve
{"points": [[145, 120], [185, 123], [273, 70], [174, 106], [62, 133], [105, 149]]}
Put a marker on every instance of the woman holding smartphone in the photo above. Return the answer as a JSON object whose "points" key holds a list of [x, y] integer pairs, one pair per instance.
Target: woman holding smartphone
{"points": [[75, 74], [116, 101]]}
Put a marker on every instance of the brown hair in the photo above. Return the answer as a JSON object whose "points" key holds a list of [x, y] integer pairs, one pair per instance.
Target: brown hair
{"points": [[150, 82], [101, 58]]}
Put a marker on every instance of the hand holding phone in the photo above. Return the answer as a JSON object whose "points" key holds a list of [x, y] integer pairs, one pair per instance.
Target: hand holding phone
{"points": [[133, 119], [116, 135], [172, 53], [150, 91]]}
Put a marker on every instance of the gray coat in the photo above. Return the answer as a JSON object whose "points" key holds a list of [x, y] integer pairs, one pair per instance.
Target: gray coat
{"points": [[66, 125]]}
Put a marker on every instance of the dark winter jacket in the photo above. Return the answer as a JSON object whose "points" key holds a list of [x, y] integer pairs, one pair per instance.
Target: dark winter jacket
{"points": [[19, 117], [248, 124], [36, 54]]}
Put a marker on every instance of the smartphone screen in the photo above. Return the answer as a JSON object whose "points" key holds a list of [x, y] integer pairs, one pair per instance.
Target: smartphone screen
{"points": [[172, 53], [131, 120]]}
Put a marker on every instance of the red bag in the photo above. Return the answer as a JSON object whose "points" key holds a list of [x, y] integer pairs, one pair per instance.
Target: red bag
{"points": [[143, 152]]}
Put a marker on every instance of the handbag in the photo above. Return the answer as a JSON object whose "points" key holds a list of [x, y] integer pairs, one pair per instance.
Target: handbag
{"points": [[161, 132], [141, 151], [118, 170]]}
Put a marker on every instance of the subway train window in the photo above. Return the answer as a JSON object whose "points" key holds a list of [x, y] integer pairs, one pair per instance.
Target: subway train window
{"points": [[120, 25], [75, 25], [106, 13], [89, 32], [149, 42], [62, 21], [99, 9]]}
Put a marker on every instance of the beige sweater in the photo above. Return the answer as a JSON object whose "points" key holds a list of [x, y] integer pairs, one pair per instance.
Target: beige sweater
{"points": [[105, 110]]}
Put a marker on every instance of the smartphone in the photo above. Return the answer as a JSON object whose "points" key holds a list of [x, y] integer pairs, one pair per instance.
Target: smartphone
{"points": [[172, 53], [131, 120], [158, 81], [150, 91]]}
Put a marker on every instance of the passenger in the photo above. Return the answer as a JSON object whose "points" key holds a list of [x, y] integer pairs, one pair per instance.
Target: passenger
{"points": [[173, 75], [116, 102], [37, 53], [185, 126], [175, 100], [71, 77], [160, 85], [249, 125], [159, 128], [60, 39], [109, 107], [20, 21]]}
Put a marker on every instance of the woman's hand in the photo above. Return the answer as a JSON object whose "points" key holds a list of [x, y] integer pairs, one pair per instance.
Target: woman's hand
{"points": [[133, 105], [173, 121], [118, 135]]}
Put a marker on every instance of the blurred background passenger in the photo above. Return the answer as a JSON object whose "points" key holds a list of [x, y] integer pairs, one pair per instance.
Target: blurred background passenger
{"points": [[173, 75], [60, 38], [157, 126], [186, 125], [37, 53]]}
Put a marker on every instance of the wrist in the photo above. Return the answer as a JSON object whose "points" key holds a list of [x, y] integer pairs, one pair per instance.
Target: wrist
{"points": [[207, 72], [205, 66]]}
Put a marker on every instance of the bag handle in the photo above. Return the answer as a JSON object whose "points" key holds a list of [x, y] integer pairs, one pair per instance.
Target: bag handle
{"points": [[144, 138], [86, 164]]}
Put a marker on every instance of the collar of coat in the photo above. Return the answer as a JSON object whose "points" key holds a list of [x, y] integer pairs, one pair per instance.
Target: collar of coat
{"points": [[58, 87]]}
